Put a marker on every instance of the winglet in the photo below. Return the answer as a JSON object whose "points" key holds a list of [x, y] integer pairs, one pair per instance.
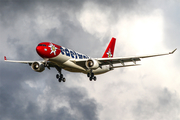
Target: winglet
{"points": [[172, 51], [5, 58]]}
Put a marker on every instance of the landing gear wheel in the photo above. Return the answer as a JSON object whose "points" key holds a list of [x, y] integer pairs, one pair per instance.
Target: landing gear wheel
{"points": [[94, 78], [59, 79], [64, 79], [57, 76], [60, 75], [88, 74], [91, 76]]}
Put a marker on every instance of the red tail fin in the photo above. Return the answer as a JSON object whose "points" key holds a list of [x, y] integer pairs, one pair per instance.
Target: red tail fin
{"points": [[110, 49]]}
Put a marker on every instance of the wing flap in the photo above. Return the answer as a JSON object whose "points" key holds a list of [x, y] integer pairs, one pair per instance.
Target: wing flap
{"points": [[125, 66], [107, 61]]}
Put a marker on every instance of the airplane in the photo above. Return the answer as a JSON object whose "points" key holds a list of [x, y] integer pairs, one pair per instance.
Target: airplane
{"points": [[61, 57]]}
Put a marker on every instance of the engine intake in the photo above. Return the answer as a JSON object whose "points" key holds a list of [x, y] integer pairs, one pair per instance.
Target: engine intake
{"points": [[92, 64], [38, 66]]}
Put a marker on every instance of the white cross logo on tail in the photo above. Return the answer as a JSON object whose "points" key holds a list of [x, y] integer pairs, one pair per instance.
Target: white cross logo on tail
{"points": [[109, 53]]}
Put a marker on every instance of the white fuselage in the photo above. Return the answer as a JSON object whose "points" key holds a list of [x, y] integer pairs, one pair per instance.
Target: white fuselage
{"points": [[64, 60]]}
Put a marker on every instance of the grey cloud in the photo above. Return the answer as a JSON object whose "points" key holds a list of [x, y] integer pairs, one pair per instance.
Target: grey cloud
{"points": [[171, 30], [163, 104], [68, 34], [19, 101]]}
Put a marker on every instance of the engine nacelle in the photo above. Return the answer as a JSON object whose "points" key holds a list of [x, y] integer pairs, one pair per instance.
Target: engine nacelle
{"points": [[37, 66], [92, 64]]}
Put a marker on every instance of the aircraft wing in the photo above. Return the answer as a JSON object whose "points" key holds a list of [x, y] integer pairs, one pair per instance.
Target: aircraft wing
{"points": [[122, 60], [50, 64], [25, 62]]}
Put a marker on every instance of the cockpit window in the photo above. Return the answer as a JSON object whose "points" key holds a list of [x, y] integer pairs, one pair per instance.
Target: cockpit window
{"points": [[42, 45]]}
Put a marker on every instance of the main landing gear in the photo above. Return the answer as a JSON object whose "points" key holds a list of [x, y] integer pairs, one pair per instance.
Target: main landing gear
{"points": [[60, 76], [91, 76]]}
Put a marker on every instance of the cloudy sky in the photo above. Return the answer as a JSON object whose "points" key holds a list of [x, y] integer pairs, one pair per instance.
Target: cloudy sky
{"points": [[147, 92]]}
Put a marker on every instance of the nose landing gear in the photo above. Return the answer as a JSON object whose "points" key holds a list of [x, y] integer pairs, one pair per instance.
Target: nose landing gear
{"points": [[60, 75]]}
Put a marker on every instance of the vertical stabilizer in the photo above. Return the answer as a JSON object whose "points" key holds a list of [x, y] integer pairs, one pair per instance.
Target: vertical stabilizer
{"points": [[110, 49]]}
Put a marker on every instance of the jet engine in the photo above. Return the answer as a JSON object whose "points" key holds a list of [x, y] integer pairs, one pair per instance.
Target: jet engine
{"points": [[37, 66], [92, 64]]}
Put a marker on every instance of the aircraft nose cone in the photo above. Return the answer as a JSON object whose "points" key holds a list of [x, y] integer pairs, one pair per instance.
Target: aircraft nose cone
{"points": [[48, 50], [39, 50]]}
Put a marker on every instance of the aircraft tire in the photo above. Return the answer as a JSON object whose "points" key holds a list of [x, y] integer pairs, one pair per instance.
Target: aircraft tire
{"points": [[64, 79], [57, 76], [94, 78], [88, 75], [59, 79], [61, 76]]}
